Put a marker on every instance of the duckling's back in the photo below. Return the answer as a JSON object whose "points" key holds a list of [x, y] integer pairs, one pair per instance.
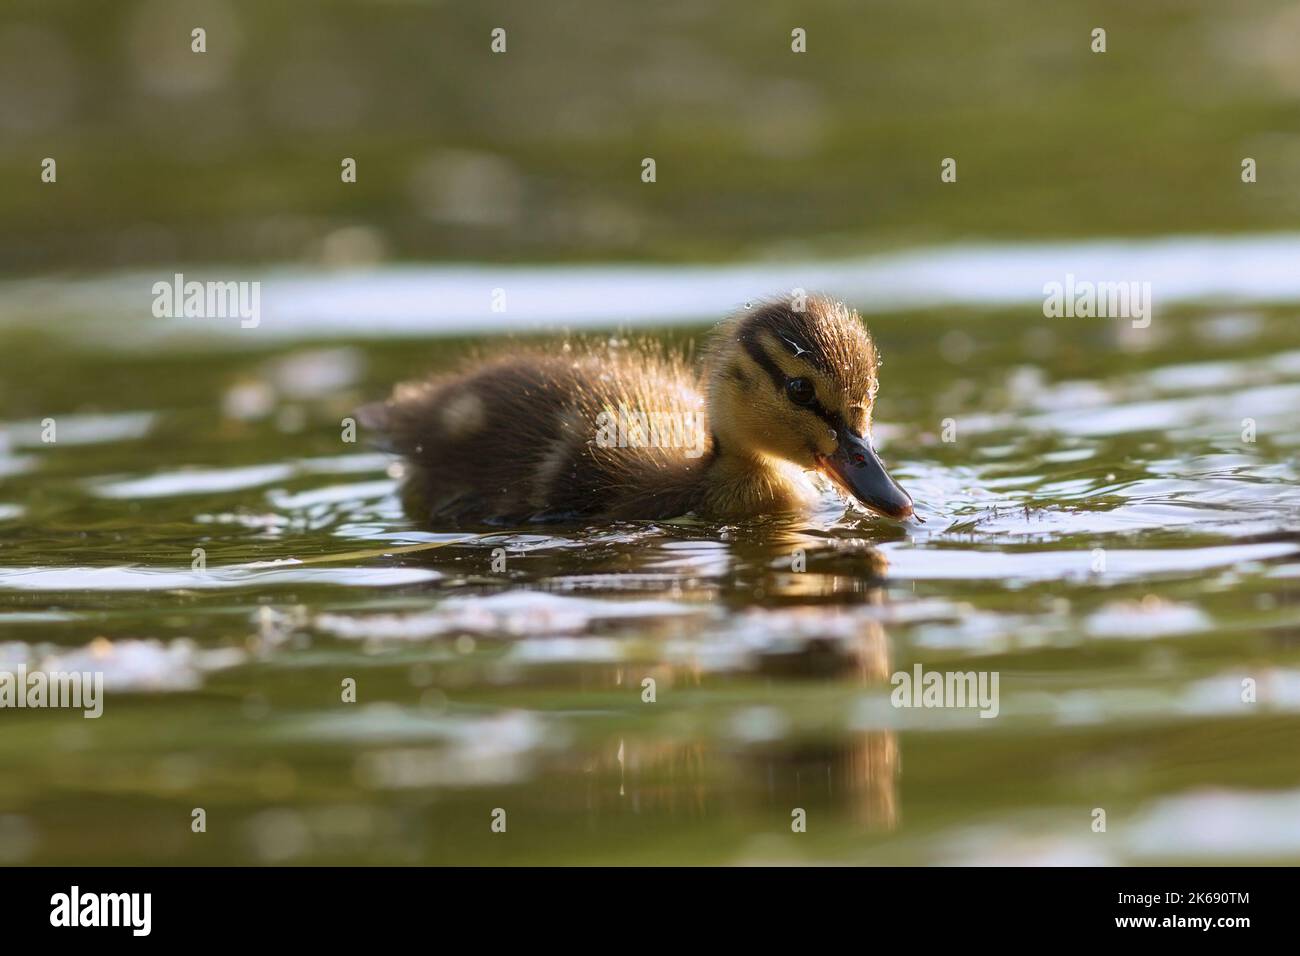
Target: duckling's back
{"points": [[614, 430]]}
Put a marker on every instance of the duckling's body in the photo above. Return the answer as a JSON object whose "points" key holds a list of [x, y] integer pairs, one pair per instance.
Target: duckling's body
{"points": [[633, 431]]}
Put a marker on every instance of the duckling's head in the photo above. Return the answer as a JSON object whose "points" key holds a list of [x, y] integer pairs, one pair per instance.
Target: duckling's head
{"points": [[795, 378]]}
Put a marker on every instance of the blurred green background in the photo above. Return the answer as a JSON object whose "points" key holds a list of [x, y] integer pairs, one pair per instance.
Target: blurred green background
{"points": [[168, 156]]}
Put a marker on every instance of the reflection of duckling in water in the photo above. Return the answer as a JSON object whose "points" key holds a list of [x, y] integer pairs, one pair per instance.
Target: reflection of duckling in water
{"points": [[851, 771], [594, 431]]}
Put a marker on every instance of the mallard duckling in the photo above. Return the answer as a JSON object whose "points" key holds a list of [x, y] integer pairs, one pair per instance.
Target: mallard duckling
{"points": [[603, 431]]}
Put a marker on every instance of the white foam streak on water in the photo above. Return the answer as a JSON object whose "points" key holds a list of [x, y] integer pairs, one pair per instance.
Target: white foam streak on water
{"points": [[126, 665], [194, 481], [1198, 826], [1206, 824], [516, 613], [197, 480], [946, 564], [145, 579], [81, 429], [424, 300]]}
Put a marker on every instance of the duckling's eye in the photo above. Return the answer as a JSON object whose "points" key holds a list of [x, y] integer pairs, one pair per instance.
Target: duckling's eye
{"points": [[800, 391]]}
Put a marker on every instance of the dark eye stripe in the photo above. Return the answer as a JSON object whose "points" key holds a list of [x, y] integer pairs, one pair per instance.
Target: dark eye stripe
{"points": [[749, 340], [830, 418]]}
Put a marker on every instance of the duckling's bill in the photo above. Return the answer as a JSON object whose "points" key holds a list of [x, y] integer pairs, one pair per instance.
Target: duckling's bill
{"points": [[857, 469]]}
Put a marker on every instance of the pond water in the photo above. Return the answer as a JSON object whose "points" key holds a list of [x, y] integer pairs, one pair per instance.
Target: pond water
{"points": [[1111, 526]]}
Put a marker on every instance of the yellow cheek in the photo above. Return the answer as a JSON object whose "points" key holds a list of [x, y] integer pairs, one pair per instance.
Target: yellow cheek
{"points": [[825, 444], [814, 434]]}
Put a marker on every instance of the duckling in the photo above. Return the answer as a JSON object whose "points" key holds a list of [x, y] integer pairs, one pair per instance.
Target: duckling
{"points": [[636, 432]]}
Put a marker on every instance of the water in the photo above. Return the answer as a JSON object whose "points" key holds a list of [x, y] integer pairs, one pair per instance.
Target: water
{"points": [[456, 298], [1099, 533]]}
